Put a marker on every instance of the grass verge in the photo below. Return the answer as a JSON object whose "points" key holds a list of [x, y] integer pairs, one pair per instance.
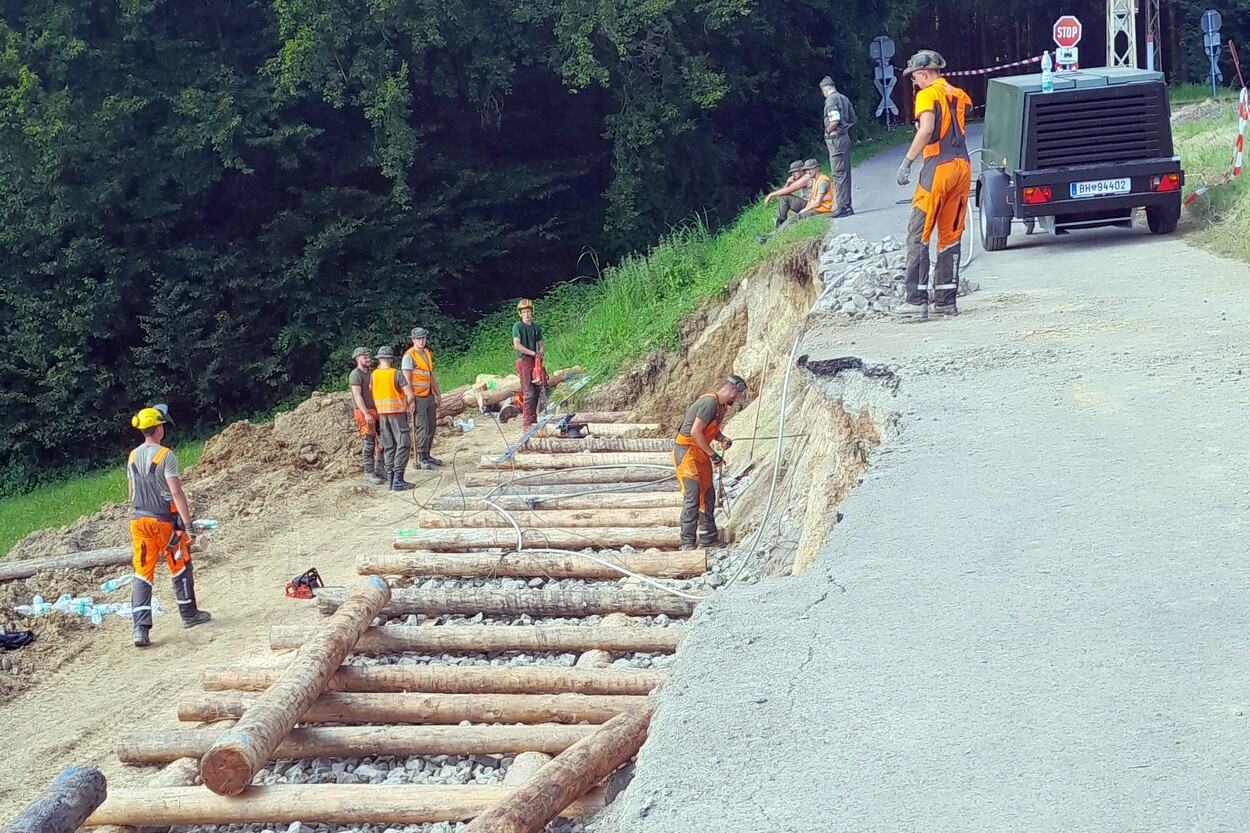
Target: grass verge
{"points": [[63, 503], [1192, 93], [600, 321], [1217, 220]]}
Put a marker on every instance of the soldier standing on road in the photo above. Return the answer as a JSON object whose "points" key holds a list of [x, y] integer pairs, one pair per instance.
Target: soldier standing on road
{"points": [[839, 116], [694, 459], [792, 197], [365, 414], [418, 367], [393, 399], [941, 198]]}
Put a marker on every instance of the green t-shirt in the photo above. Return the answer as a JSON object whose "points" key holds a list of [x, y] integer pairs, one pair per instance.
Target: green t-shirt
{"points": [[529, 334]]}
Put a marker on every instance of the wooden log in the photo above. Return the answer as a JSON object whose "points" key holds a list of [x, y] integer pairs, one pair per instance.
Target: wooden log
{"points": [[524, 490], [524, 766], [464, 397], [454, 679], [422, 709], [346, 804], [477, 639], [602, 659], [601, 416], [238, 754], [184, 772], [160, 746], [550, 518], [641, 600], [64, 804], [109, 557], [457, 540], [546, 794], [528, 480], [672, 564], [598, 445], [538, 461], [606, 429], [578, 499]]}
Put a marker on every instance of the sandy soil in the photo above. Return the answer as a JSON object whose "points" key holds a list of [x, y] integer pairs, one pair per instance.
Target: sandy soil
{"points": [[288, 498]]}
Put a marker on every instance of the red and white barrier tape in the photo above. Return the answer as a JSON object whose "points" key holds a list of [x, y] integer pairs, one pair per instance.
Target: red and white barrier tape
{"points": [[1239, 148], [988, 70]]}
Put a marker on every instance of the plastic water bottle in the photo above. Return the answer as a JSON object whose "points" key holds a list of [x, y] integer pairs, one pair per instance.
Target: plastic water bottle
{"points": [[36, 607], [203, 525], [117, 583], [1048, 75], [465, 425], [76, 606]]}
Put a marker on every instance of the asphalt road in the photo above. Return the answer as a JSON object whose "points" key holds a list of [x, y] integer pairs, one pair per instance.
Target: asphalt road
{"points": [[1033, 616]]}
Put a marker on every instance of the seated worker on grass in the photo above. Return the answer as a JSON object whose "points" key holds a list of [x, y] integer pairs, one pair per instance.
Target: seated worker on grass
{"points": [[819, 201], [792, 197]]}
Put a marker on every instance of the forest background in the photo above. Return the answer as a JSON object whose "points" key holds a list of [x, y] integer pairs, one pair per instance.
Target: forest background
{"points": [[211, 203]]}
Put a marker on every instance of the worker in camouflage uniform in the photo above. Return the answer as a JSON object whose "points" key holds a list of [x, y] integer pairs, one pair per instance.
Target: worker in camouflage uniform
{"points": [[839, 117]]}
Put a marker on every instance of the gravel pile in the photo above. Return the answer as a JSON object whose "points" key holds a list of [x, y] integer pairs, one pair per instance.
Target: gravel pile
{"points": [[862, 279]]}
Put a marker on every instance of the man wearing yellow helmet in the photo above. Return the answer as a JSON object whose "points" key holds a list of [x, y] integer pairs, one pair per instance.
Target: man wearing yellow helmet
{"points": [[160, 524], [527, 340]]}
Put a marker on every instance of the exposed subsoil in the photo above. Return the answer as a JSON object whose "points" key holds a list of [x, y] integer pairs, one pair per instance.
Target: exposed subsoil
{"points": [[288, 498]]}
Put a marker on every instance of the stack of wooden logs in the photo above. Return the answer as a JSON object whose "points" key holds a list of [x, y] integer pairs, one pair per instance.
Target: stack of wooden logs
{"points": [[590, 717]]}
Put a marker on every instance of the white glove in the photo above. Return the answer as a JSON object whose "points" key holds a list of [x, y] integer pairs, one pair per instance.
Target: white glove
{"points": [[904, 171]]}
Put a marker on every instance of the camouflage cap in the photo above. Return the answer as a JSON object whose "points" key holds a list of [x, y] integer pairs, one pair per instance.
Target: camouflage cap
{"points": [[827, 81], [808, 164], [420, 332], [385, 352], [359, 351], [924, 59], [796, 166]]}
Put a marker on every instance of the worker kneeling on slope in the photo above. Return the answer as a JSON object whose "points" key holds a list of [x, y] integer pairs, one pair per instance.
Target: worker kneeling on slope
{"points": [[160, 524], [694, 459], [941, 198]]}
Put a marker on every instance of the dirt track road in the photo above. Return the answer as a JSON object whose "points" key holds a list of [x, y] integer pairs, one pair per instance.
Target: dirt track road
{"points": [[1033, 614]]}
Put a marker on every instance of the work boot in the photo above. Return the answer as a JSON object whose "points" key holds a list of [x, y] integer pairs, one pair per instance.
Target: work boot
{"points": [[424, 463], [198, 618], [843, 212], [433, 460], [907, 310], [944, 310], [184, 593], [372, 479], [398, 484], [687, 546], [141, 637]]}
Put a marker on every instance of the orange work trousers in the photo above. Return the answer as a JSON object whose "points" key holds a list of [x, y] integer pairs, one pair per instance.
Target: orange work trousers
{"points": [[149, 540]]}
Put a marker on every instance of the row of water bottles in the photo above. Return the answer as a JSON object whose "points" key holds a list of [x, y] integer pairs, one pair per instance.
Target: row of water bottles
{"points": [[81, 606]]}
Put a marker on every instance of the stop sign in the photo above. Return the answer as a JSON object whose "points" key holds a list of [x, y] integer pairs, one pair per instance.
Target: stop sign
{"points": [[1067, 31]]}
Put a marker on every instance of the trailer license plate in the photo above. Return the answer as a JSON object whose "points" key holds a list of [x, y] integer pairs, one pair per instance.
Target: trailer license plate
{"points": [[1101, 187]]}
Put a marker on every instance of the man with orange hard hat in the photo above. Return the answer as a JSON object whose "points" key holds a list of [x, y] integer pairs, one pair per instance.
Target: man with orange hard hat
{"points": [[527, 340], [694, 460], [940, 202], [160, 524]]}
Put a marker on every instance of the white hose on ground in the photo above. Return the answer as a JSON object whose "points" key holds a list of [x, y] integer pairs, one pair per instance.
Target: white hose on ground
{"points": [[509, 519], [772, 489]]}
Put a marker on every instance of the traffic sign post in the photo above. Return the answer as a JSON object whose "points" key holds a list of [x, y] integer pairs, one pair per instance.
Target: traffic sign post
{"points": [[1211, 22], [1067, 34], [881, 50]]}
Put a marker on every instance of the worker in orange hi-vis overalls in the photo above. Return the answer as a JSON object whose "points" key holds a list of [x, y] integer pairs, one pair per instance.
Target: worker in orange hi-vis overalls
{"points": [[694, 459], [941, 199], [159, 525]]}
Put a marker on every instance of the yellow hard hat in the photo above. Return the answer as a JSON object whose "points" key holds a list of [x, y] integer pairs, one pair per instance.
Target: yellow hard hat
{"points": [[524, 303], [151, 417]]}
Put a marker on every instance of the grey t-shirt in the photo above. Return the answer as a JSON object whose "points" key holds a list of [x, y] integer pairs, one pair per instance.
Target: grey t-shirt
{"points": [[165, 469], [365, 380], [705, 408]]}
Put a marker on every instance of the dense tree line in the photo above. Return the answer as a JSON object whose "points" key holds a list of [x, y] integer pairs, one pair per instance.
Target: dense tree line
{"points": [[209, 203]]}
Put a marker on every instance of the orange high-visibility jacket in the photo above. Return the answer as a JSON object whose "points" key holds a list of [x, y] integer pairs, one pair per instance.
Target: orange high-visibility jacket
{"points": [[421, 377], [387, 396]]}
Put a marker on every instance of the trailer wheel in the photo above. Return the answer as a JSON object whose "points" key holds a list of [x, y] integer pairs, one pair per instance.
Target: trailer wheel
{"points": [[1162, 219], [990, 244]]}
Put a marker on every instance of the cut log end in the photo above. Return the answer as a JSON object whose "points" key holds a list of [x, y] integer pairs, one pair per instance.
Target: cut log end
{"points": [[226, 770]]}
